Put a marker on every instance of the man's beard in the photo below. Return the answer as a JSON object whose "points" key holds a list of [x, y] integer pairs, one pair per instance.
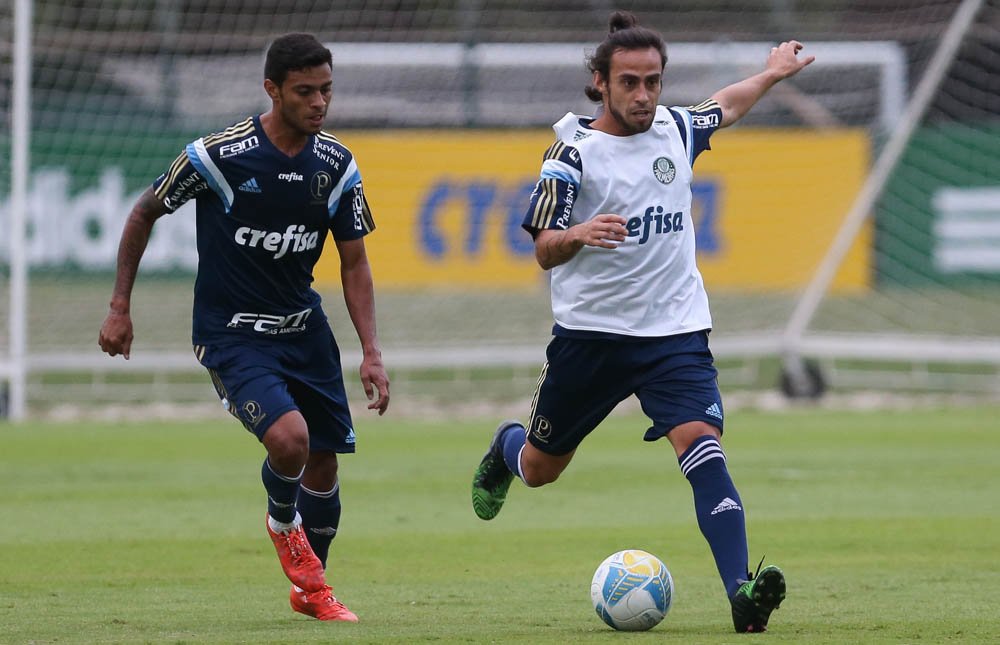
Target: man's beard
{"points": [[625, 125]]}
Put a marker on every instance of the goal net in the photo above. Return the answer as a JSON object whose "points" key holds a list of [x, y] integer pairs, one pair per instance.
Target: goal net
{"points": [[447, 106]]}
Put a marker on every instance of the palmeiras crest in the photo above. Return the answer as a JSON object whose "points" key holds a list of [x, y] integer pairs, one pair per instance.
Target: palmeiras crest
{"points": [[664, 170]]}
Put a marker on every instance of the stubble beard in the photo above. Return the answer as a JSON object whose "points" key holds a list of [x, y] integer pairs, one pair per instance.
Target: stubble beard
{"points": [[628, 127]]}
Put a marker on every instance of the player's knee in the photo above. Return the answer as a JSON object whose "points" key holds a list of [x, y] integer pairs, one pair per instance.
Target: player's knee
{"points": [[289, 450], [681, 437], [287, 443]]}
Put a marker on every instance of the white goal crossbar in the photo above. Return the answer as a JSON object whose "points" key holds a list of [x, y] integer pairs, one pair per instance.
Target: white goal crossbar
{"points": [[742, 57]]}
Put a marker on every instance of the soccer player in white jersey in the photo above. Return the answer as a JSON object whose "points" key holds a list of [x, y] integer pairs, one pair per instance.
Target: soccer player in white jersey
{"points": [[611, 221], [268, 190]]}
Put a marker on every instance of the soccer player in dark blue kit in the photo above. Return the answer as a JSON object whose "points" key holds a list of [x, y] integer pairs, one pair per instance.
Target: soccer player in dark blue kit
{"points": [[267, 190]]}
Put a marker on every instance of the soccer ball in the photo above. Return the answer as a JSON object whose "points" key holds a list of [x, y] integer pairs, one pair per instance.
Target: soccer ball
{"points": [[632, 590]]}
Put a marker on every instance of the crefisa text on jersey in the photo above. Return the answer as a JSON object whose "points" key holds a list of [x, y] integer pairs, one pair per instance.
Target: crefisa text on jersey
{"points": [[664, 223], [294, 239]]}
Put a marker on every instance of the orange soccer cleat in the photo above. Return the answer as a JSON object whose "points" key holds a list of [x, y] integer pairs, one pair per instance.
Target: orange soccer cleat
{"points": [[298, 561], [322, 605]]}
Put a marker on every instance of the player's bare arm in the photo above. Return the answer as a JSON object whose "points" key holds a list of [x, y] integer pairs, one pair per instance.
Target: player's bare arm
{"points": [[359, 294], [555, 247], [116, 332], [737, 99]]}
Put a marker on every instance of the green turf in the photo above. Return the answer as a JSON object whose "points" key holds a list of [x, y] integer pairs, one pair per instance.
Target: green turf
{"points": [[886, 524]]}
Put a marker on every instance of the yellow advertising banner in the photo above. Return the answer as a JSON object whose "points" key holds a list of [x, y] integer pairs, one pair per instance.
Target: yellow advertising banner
{"points": [[448, 207]]}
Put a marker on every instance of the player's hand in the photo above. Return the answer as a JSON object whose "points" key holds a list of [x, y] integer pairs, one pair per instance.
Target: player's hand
{"points": [[784, 61], [605, 230], [376, 382], [116, 334]]}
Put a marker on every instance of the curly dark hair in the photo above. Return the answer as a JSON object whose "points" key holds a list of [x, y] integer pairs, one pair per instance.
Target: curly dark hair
{"points": [[625, 33]]}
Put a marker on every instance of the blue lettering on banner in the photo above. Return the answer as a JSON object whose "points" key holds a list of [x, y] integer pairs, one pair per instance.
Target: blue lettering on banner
{"points": [[518, 240], [705, 209], [431, 241], [480, 200]]}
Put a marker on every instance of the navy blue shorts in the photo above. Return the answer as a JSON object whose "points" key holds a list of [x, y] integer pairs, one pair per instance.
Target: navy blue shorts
{"points": [[584, 379], [259, 382]]}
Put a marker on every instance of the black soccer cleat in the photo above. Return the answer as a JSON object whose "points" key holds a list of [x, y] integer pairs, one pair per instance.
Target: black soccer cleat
{"points": [[492, 478], [756, 598]]}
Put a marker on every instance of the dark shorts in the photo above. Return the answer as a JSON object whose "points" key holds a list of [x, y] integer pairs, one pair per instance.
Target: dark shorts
{"points": [[584, 379], [259, 382]]}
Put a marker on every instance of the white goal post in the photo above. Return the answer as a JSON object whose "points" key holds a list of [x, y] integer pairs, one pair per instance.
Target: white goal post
{"points": [[794, 343], [14, 366]]}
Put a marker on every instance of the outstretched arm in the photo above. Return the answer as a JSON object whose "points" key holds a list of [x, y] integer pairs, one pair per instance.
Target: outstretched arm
{"points": [[737, 99], [359, 294], [116, 332]]}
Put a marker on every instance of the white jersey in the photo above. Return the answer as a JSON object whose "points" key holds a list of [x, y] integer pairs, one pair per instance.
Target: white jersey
{"points": [[650, 285]]}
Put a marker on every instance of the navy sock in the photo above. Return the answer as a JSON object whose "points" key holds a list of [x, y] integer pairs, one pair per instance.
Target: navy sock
{"points": [[512, 440], [281, 493], [719, 509], [320, 513]]}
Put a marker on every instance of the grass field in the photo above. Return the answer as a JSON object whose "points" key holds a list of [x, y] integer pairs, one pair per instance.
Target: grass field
{"points": [[887, 525]]}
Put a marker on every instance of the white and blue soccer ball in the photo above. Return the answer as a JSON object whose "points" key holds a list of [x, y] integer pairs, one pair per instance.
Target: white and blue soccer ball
{"points": [[632, 590]]}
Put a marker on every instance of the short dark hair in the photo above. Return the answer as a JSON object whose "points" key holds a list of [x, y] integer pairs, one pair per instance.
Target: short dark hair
{"points": [[293, 52], [625, 33]]}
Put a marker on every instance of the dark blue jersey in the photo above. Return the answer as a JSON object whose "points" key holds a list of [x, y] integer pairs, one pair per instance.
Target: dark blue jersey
{"points": [[262, 220]]}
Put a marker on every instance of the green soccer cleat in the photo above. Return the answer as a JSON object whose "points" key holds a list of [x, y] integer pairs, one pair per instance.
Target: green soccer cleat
{"points": [[756, 598], [492, 478]]}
